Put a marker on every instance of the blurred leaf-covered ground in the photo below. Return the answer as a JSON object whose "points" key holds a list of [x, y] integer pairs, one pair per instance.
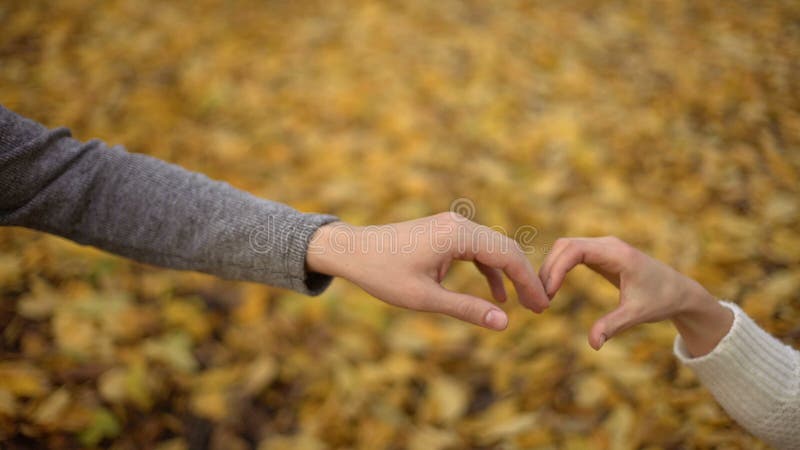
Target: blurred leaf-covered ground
{"points": [[672, 124]]}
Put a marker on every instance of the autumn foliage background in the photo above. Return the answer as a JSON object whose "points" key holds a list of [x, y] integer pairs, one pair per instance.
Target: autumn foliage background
{"points": [[672, 124]]}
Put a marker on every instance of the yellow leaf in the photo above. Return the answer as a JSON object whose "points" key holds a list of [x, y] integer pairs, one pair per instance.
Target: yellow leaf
{"points": [[23, 380]]}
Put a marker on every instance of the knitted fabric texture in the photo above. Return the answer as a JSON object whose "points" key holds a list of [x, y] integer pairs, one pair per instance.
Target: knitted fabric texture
{"points": [[755, 378], [149, 210]]}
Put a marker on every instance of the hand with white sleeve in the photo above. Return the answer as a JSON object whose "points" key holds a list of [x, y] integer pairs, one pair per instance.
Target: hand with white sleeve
{"points": [[754, 376], [650, 291]]}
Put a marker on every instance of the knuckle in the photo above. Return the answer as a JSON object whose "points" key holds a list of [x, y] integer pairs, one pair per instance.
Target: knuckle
{"points": [[453, 218], [560, 242], [618, 245], [610, 240], [628, 252], [561, 245], [446, 216], [571, 248], [446, 221], [458, 223], [508, 245], [614, 240], [466, 309]]}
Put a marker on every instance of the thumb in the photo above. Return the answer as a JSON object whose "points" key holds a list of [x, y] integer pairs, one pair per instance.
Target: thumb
{"points": [[610, 325], [467, 308]]}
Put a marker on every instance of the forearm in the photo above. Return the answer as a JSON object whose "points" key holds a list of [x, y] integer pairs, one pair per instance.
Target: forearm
{"points": [[149, 210]]}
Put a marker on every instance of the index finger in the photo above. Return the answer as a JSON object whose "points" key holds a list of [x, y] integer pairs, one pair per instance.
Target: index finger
{"points": [[599, 254], [494, 249]]}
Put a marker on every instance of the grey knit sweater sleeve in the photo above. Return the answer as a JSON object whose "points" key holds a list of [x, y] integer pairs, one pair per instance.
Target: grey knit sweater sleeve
{"points": [[149, 210]]}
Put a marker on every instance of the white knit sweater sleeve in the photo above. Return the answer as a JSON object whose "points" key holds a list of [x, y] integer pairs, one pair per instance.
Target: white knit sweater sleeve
{"points": [[755, 378]]}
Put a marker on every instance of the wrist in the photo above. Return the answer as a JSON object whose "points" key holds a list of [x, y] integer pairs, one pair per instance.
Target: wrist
{"points": [[702, 321], [328, 247], [697, 303]]}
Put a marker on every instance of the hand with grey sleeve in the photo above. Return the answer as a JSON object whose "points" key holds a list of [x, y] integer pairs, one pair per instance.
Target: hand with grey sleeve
{"points": [[158, 213]]}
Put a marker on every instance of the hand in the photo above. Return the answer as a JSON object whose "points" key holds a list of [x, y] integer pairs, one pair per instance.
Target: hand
{"points": [[404, 264], [650, 291]]}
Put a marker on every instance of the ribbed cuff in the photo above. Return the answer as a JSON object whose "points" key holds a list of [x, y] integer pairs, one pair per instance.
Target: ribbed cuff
{"points": [[755, 377], [301, 280]]}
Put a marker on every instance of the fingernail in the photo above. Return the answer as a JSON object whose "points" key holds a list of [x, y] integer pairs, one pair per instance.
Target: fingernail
{"points": [[602, 341], [495, 319], [539, 310], [548, 287]]}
